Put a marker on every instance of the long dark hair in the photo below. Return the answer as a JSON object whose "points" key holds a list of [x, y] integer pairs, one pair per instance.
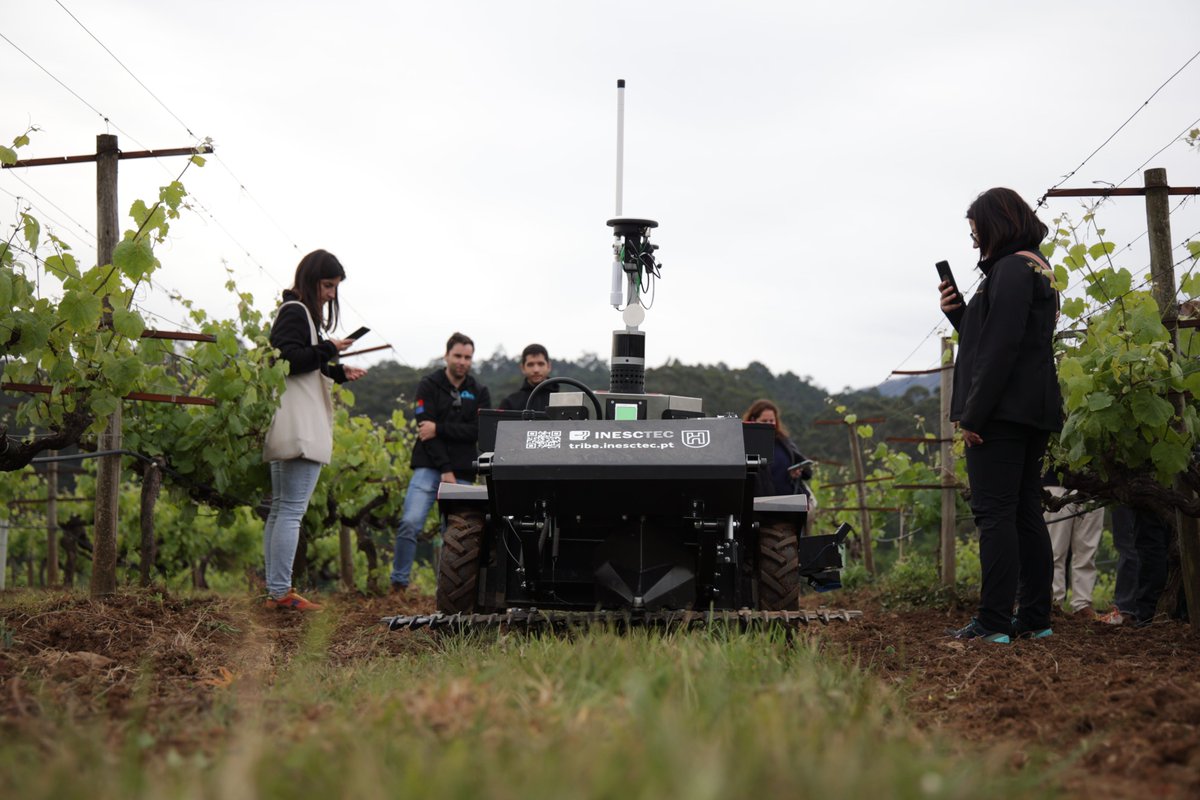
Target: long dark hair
{"points": [[758, 407], [317, 266], [1004, 223]]}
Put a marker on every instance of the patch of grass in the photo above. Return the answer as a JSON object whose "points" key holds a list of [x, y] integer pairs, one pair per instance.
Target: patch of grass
{"points": [[598, 715]]}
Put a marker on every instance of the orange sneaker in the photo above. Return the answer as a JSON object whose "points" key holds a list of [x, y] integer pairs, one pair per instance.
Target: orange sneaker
{"points": [[292, 602]]}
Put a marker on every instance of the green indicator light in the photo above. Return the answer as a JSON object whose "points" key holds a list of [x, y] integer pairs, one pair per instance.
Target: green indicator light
{"points": [[625, 411]]}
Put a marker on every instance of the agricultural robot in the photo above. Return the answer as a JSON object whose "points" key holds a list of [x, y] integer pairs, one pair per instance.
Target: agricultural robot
{"points": [[624, 506]]}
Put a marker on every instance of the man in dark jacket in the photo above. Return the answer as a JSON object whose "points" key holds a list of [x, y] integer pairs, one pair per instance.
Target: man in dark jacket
{"points": [[535, 366], [446, 411]]}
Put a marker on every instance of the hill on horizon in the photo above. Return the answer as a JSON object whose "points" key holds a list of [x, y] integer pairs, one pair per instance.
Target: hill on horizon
{"points": [[390, 385]]}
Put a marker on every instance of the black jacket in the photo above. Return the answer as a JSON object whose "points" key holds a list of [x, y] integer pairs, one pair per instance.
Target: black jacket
{"points": [[516, 401], [1005, 368], [774, 480], [290, 336], [453, 447]]}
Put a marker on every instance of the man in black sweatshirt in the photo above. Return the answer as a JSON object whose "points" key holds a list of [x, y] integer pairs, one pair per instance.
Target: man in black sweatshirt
{"points": [[535, 366], [446, 411]]}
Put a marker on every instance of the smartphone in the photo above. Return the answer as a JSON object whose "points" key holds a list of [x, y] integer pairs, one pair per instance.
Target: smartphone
{"points": [[943, 271], [359, 333]]}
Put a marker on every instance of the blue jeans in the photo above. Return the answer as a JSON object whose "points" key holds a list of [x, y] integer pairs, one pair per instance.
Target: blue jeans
{"points": [[421, 494], [292, 484]]}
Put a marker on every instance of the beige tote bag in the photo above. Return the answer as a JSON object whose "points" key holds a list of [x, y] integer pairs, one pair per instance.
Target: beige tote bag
{"points": [[303, 425]]}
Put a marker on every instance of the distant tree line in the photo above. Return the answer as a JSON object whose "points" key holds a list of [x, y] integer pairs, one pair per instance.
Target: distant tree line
{"points": [[390, 385]]}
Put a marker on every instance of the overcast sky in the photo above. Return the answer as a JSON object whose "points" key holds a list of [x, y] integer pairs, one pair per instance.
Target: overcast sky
{"points": [[807, 163]]}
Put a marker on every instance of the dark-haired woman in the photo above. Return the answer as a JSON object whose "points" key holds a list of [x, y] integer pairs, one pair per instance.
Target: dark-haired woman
{"points": [[1006, 403], [784, 477], [301, 439]]}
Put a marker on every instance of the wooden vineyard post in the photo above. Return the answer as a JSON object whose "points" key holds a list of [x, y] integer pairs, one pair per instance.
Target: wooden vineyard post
{"points": [[52, 522], [108, 474], [864, 515], [151, 486], [1162, 275], [346, 557], [3, 553], [946, 465]]}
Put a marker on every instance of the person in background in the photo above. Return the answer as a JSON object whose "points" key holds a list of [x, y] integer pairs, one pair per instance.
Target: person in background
{"points": [[308, 308], [1006, 402], [446, 410], [1124, 609], [786, 475], [1073, 529], [1151, 539], [535, 367]]}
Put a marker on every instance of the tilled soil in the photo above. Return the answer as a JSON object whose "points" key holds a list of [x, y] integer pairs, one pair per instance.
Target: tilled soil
{"points": [[159, 659], [1116, 710]]}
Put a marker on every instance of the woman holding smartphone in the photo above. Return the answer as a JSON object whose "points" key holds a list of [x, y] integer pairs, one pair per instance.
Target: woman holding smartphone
{"points": [[789, 468], [301, 436], [1006, 403]]}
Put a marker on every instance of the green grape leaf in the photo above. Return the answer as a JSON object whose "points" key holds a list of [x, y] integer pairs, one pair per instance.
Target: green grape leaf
{"points": [[1074, 307], [1110, 284], [173, 193], [198, 161], [1143, 320], [1101, 249], [7, 155], [1099, 400], [1170, 459], [63, 266], [6, 290], [1190, 285], [1191, 384], [80, 309], [1061, 278], [128, 323], [33, 231], [866, 431], [1076, 256], [1150, 409], [1070, 368], [123, 372], [104, 404], [134, 258], [63, 370]]}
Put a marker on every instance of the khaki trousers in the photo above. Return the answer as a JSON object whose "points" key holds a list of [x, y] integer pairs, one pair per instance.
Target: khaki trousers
{"points": [[1081, 536]]}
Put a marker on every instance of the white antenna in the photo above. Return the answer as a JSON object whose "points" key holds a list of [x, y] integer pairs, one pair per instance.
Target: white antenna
{"points": [[616, 292], [620, 140]]}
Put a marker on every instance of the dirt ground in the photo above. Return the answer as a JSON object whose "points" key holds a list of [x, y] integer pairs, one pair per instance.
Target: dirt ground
{"points": [[1115, 710]]}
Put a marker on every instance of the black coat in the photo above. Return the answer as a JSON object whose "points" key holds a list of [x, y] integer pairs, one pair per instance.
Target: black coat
{"points": [[290, 336], [1005, 368], [453, 448], [774, 480], [517, 400]]}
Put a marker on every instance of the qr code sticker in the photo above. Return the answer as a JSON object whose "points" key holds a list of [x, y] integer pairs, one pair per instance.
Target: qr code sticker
{"points": [[535, 440]]}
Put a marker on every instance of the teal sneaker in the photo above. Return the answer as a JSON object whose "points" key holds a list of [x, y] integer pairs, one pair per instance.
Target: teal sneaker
{"points": [[1031, 633], [973, 630]]}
